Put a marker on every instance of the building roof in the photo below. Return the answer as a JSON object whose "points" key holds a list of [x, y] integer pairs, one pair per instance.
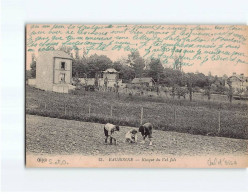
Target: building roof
{"points": [[142, 80], [235, 76], [55, 54], [110, 70]]}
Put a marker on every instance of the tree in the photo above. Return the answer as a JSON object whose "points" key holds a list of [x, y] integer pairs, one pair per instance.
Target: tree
{"points": [[207, 92], [117, 86], [97, 75], [240, 92], [209, 82], [200, 80], [117, 65], [173, 90], [178, 61], [28, 75], [155, 69], [33, 66], [76, 53], [33, 69], [190, 80], [230, 91], [221, 88], [137, 63], [169, 77], [86, 80], [76, 82], [97, 63], [79, 67], [224, 79], [106, 83], [181, 92], [126, 72]]}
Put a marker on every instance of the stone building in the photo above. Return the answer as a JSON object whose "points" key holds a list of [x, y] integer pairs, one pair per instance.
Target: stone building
{"points": [[54, 71], [147, 81], [111, 76], [239, 82]]}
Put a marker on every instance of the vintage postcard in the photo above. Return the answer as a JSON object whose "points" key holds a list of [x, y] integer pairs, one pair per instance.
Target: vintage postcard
{"points": [[137, 96]]}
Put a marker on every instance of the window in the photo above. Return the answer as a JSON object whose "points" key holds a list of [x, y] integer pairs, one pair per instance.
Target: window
{"points": [[62, 66]]}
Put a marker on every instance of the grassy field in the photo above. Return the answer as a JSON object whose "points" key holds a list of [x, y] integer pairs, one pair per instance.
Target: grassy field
{"points": [[58, 136], [196, 117]]}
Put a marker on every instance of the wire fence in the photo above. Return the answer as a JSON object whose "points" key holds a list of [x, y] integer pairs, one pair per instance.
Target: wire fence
{"points": [[195, 120]]}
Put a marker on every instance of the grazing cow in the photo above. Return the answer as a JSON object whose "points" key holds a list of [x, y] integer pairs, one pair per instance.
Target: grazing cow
{"points": [[109, 130], [131, 136], [146, 130]]}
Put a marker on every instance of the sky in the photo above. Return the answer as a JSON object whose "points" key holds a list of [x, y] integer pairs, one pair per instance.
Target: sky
{"points": [[219, 49]]}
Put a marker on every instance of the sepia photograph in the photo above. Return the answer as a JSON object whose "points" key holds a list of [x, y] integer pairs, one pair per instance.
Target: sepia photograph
{"points": [[136, 96]]}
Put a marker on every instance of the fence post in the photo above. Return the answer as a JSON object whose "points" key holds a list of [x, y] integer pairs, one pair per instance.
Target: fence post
{"points": [[219, 128], [45, 105], [65, 108], [111, 111], [141, 115], [89, 109], [174, 115]]}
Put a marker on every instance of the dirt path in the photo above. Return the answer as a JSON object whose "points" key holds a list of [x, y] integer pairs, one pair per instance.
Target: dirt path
{"points": [[57, 136]]}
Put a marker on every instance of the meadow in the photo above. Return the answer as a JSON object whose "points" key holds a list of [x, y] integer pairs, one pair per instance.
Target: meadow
{"points": [[212, 118], [67, 137]]}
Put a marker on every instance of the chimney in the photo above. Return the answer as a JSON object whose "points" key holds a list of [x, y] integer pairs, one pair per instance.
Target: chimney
{"points": [[234, 73]]}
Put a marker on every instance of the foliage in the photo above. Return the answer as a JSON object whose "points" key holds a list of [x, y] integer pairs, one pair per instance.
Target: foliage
{"points": [[135, 66], [240, 92], [75, 81], [127, 73], [90, 88], [28, 75], [177, 63], [230, 91], [33, 69], [97, 64], [181, 92], [79, 67], [155, 70], [137, 63]]}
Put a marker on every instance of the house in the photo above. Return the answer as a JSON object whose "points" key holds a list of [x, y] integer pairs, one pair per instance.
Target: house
{"points": [[54, 71], [109, 77], [148, 81], [239, 82]]}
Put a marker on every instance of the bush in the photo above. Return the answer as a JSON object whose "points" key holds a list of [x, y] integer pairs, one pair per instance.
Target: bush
{"points": [[181, 92], [197, 89]]}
